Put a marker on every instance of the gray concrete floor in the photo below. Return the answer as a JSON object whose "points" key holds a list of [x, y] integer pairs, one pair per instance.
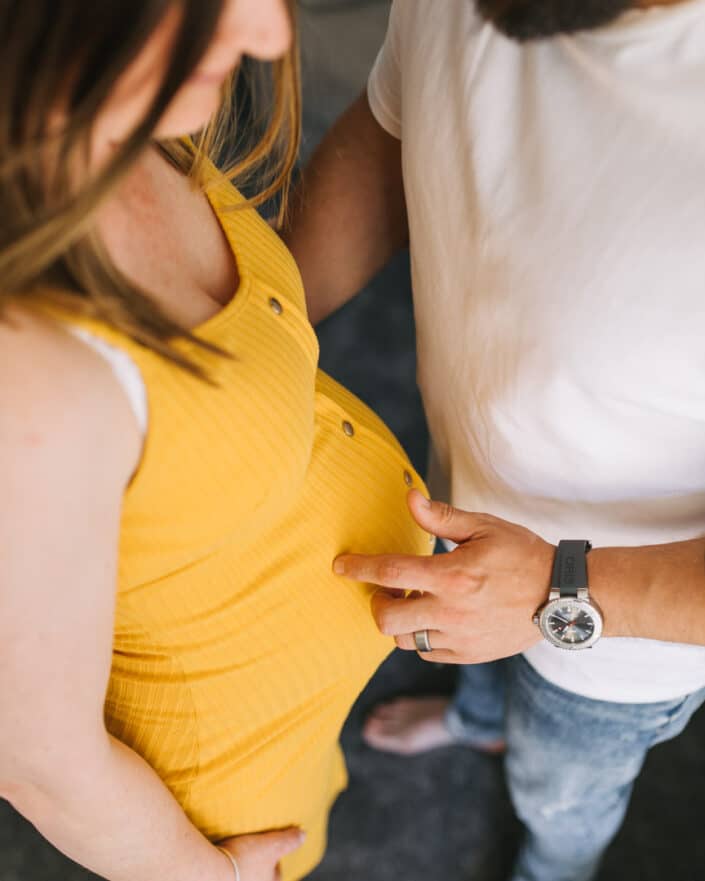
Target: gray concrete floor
{"points": [[444, 816]]}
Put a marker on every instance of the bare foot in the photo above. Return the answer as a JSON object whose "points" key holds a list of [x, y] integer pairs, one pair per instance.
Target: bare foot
{"points": [[409, 726]]}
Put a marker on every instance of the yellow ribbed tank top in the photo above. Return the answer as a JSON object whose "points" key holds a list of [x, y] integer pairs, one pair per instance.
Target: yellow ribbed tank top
{"points": [[237, 653]]}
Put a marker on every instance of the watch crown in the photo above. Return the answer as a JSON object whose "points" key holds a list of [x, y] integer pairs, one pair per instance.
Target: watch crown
{"points": [[535, 619]]}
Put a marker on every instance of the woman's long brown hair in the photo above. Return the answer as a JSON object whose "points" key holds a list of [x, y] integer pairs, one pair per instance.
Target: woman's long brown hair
{"points": [[49, 251]]}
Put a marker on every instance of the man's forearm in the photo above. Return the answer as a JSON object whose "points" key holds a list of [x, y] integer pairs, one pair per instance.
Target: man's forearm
{"points": [[113, 815], [652, 592], [348, 213]]}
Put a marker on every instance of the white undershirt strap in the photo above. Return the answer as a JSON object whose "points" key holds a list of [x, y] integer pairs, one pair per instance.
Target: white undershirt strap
{"points": [[125, 370]]}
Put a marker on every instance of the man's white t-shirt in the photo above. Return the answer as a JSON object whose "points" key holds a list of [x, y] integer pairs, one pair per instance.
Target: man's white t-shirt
{"points": [[556, 199]]}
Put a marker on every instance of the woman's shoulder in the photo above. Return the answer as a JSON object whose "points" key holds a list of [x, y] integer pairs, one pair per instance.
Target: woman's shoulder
{"points": [[59, 399]]}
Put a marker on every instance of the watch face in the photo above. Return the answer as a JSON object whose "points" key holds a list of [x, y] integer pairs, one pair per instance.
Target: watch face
{"points": [[571, 624]]}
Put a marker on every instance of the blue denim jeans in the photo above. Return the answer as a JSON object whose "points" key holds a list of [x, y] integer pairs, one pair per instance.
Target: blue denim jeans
{"points": [[570, 763]]}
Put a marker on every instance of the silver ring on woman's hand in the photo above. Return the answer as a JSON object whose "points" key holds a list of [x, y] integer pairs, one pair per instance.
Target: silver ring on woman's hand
{"points": [[423, 644], [232, 859]]}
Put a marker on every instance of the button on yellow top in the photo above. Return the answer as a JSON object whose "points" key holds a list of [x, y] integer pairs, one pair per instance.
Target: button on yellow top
{"points": [[275, 306]]}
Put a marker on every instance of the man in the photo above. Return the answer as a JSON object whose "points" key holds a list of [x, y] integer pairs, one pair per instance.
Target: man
{"points": [[545, 159]]}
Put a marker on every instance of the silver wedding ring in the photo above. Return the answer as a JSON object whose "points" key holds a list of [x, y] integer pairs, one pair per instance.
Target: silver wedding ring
{"points": [[423, 644]]}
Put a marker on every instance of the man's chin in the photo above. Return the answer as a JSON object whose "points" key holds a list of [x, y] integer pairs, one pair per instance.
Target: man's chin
{"points": [[538, 19]]}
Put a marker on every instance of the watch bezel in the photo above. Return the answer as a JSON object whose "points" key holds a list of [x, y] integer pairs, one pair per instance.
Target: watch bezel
{"points": [[585, 605]]}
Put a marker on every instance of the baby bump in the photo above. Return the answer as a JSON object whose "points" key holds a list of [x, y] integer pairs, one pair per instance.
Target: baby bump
{"points": [[238, 698]]}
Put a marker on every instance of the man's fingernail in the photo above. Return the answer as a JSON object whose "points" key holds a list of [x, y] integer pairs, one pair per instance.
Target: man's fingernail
{"points": [[339, 567], [426, 503], [302, 836]]}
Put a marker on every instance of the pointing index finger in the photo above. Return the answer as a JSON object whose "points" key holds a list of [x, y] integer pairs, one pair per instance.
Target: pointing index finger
{"points": [[389, 570]]}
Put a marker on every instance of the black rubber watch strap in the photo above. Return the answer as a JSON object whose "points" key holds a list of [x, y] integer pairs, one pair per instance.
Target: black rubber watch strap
{"points": [[570, 567]]}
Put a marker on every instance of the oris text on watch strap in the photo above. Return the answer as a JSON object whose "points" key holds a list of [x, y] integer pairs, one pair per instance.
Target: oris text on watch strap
{"points": [[569, 567]]}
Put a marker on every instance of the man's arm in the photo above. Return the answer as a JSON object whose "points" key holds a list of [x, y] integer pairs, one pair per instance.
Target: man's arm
{"points": [[348, 212], [478, 601], [652, 592]]}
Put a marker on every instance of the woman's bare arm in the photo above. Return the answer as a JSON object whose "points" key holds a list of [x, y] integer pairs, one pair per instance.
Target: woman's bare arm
{"points": [[68, 444]]}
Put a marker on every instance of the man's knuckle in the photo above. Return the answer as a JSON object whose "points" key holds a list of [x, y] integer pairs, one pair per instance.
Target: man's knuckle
{"points": [[422, 614], [388, 572], [385, 623], [458, 581], [464, 580], [446, 620], [445, 512]]}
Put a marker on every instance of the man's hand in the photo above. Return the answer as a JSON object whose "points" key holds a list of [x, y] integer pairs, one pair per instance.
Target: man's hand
{"points": [[476, 602]]}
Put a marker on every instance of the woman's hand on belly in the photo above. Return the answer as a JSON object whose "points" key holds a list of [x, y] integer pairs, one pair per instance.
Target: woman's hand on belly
{"points": [[258, 856]]}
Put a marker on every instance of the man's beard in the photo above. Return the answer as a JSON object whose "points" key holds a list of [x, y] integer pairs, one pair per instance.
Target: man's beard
{"points": [[534, 19]]}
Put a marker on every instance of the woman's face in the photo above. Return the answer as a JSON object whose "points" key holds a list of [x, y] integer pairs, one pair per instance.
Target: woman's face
{"points": [[258, 28]]}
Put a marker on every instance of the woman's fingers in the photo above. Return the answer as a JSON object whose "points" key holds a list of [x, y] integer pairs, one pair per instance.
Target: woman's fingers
{"points": [[258, 855], [272, 846]]}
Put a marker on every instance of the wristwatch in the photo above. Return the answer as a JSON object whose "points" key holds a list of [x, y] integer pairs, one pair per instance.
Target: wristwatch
{"points": [[570, 619]]}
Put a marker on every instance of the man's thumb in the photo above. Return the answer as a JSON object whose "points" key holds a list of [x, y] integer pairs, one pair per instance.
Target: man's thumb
{"points": [[442, 519]]}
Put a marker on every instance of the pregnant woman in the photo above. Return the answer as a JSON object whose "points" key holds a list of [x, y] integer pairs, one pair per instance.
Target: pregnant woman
{"points": [[176, 655]]}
